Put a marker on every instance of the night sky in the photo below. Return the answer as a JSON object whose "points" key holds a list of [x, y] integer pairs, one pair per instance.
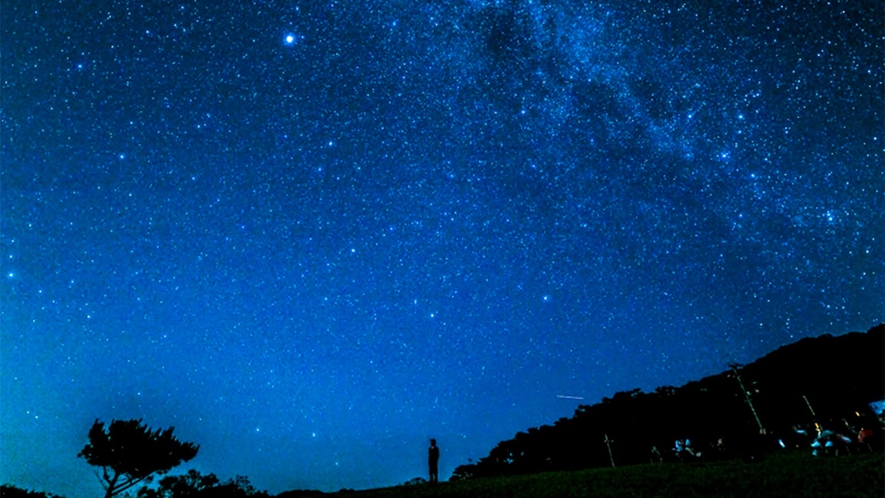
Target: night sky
{"points": [[313, 235]]}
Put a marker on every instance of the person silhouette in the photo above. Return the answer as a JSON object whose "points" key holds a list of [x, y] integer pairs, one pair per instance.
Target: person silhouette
{"points": [[433, 461]]}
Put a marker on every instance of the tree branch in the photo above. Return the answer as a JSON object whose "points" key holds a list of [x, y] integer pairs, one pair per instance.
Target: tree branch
{"points": [[102, 481], [130, 483]]}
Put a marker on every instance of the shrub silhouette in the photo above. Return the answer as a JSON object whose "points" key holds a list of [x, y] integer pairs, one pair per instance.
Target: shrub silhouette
{"points": [[195, 485], [189, 485]]}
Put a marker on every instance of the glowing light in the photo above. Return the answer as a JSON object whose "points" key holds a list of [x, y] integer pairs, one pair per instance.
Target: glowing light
{"points": [[563, 396]]}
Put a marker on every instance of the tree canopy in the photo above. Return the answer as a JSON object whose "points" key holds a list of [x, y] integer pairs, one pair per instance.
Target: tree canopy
{"points": [[129, 453]]}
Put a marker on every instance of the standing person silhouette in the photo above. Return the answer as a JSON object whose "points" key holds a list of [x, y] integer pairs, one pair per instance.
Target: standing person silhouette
{"points": [[433, 461]]}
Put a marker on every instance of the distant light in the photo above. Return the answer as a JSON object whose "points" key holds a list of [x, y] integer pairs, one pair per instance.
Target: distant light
{"points": [[290, 39]]}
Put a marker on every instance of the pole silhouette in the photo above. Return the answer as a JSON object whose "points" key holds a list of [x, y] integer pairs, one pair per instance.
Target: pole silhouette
{"points": [[737, 375]]}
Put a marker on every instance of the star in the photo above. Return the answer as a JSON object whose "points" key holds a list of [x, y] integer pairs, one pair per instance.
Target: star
{"points": [[435, 203]]}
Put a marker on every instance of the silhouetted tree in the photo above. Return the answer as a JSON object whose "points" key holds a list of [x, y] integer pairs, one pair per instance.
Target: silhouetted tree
{"points": [[234, 488], [130, 453], [195, 485], [463, 472], [184, 486]]}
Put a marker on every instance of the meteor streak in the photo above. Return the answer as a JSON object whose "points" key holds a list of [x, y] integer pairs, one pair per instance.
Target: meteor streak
{"points": [[563, 396]]}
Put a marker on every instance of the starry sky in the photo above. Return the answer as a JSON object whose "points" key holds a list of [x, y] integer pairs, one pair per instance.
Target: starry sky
{"points": [[311, 235]]}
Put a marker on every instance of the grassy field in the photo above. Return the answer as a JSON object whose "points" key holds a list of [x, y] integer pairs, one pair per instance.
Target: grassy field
{"points": [[781, 475]]}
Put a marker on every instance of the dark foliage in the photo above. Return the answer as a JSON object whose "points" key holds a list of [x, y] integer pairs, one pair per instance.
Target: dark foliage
{"points": [[9, 491], [836, 376], [195, 485], [130, 453], [234, 488], [416, 481], [189, 485]]}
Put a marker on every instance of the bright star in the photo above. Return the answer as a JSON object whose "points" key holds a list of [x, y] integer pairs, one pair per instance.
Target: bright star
{"points": [[290, 39]]}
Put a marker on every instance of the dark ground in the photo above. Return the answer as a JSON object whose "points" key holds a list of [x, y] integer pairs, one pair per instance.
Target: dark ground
{"points": [[790, 474]]}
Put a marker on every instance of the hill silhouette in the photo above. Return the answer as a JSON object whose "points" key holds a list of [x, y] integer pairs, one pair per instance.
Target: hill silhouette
{"points": [[825, 383], [822, 383]]}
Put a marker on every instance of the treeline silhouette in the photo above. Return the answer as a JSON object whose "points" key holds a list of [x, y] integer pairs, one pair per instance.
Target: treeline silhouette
{"points": [[820, 385], [815, 384]]}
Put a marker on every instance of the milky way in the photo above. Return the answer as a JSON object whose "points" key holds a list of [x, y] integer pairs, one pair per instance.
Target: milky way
{"points": [[313, 235]]}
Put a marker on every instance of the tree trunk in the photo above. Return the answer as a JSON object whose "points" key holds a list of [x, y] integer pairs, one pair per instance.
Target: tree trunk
{"points": [[112, 486]]}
